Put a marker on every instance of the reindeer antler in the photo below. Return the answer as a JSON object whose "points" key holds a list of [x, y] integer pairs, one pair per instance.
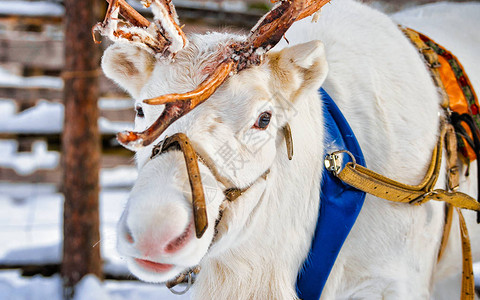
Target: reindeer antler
{"points": [[163, 36], [263, 37]]}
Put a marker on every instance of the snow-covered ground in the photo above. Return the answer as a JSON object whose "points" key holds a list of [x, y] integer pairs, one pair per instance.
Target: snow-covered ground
{"points": [[31, 213], [7, 79], [30, 233], [15, 287], [46, 117]]}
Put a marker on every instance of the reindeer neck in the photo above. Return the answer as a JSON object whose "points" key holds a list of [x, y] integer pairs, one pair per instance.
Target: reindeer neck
{"points": [[266, 263]]}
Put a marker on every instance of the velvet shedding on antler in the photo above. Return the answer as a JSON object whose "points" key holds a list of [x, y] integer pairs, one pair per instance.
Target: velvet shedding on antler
{"points": [[162, 37], [263, 37]]}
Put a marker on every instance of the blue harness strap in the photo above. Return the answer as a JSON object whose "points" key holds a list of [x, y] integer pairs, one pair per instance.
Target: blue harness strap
{"points": [[340, 205]]}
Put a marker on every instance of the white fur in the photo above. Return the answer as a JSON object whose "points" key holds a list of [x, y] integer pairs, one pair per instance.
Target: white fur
{"points": [[383, 88]]}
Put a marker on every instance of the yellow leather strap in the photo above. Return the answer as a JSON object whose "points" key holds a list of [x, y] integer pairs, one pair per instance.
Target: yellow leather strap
{"points": [[378, 185], [468, 282], [453, 199], [446, 230], [453, 176], [453, 171], [383, 187]]}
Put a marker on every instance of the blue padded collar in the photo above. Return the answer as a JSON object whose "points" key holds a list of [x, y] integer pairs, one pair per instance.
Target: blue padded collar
{"points": [[340, 205]]}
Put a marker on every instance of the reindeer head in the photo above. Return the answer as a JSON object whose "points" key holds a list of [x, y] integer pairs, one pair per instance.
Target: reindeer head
{"points": [[195, 157]]}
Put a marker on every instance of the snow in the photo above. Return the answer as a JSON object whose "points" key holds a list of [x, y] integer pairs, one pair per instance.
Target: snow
{"points": [[47, 118], [49, 254], [91, 288], [20, 191], [230, 6], [476, 271], [30, 233], [26, 163], [7, 108], [15, 287], [51, 9], [8, 79], [33, 226], [32, 8]]}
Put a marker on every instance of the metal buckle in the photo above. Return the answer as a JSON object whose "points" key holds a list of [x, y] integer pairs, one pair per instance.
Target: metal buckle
{"points": [[333, 164], [420, 198]]}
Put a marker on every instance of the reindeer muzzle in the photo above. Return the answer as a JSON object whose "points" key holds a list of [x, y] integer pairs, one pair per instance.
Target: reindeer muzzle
{"points": [[181, 142]]}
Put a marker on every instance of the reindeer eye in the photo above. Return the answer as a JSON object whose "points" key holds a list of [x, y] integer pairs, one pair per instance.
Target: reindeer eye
{"points": [[139, 111], [263, 120]]}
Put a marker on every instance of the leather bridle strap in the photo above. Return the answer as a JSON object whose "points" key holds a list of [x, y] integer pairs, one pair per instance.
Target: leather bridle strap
{"points": [[453, 177], [468, 282], [180, 141], [383, 187]]}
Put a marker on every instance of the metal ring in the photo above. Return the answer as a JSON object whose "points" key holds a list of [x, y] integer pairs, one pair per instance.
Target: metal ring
{"points": [[332, 161], [354, 161], [420, 198], [189, 285], [158, 148]]}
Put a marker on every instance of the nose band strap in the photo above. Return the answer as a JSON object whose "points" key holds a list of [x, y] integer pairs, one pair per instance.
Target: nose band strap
{"points": [[180, 141]]}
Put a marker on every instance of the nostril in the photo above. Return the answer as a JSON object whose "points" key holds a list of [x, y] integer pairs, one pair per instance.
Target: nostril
{"points": [[180, 241], [128, 235], [129, 238]]}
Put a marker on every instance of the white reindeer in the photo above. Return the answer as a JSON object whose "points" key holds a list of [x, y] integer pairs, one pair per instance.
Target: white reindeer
{"points": [[385, 91]]}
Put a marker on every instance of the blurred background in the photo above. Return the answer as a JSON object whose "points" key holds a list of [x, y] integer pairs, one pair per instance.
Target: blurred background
{"points": [[32, 61]]}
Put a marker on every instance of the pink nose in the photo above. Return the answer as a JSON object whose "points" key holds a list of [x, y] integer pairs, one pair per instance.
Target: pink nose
{"points": [[156, 244]]}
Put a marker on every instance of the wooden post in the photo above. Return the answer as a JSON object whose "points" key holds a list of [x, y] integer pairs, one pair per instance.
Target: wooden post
{"points": [[80, 147]]}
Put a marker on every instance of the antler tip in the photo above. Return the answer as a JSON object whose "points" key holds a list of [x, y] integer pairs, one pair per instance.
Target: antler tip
{"points": [[166, 99], [152, 101], [130, 140]]}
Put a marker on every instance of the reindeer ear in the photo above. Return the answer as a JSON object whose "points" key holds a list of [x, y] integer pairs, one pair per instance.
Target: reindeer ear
{"points": [[300, 67], [129, 66]]}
